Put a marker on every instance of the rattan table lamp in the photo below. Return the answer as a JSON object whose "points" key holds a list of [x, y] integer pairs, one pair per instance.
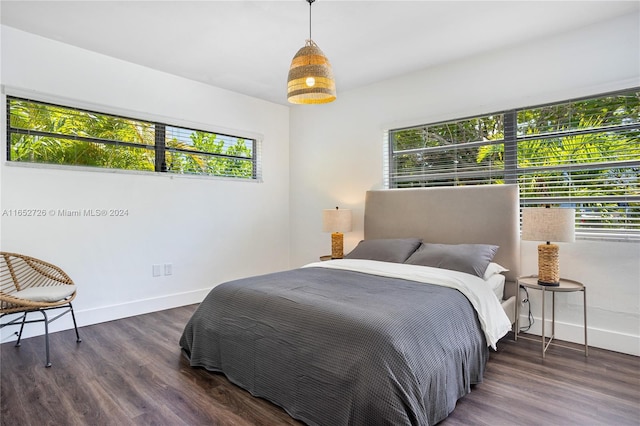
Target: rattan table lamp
{"points": [[548, 224], [336, 221]]}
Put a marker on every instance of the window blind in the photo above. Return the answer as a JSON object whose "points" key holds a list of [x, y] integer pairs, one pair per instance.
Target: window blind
{"points": [[583, 154]]}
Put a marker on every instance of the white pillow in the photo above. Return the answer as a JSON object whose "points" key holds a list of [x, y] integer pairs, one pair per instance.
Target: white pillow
{"points": [[492, 269]]}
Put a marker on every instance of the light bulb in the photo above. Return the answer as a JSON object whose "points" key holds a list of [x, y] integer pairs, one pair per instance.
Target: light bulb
{"points": [[311, 81]]}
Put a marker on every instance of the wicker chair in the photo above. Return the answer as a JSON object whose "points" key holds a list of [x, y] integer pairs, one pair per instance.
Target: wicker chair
{"points": [[30, 285]]}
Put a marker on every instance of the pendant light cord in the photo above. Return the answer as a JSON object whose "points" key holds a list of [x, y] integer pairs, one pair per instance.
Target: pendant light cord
{"points": [[310, 1]]}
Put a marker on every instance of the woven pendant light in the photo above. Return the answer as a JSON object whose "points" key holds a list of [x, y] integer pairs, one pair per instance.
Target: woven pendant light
{"points": [[310, 75]]}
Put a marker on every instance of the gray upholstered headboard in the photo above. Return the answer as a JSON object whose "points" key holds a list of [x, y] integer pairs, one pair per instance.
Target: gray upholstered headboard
{"points": [[487, 214]]}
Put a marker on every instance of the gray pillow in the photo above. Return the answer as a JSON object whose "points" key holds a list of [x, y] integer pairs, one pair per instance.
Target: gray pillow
{"points": [[385, 250], [470, 258]]}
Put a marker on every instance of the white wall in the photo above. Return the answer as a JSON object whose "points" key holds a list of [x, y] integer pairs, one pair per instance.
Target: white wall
{"points": [[210, 230], [337, 155]]}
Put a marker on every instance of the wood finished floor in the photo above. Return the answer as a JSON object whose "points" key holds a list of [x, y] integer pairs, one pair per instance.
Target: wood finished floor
{"points": [[131, 372]]}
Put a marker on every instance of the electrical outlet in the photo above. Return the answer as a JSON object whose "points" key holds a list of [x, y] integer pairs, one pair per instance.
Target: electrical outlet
{"points": [[168, 268], [155, 271]]}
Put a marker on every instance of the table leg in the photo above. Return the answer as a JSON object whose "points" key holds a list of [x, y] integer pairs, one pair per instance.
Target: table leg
{"points": [[543, 339], [553, 314], [517, 318], [586, 346]]}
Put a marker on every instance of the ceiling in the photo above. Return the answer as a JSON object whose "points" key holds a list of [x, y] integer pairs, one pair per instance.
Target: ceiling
{"points": [[247, 46]]}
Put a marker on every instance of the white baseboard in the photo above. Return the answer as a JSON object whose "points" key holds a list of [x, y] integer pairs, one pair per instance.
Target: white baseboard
{"points": [[103, 314], [599, 338]]}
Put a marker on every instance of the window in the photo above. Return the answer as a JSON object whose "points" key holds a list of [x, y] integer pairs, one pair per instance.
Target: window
{"points": [[39, 132], [583, 154]]}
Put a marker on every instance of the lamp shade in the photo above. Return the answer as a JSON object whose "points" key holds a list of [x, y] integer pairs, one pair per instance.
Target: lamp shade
{"points": [[310, 77], [336, 220], [548, 224]]}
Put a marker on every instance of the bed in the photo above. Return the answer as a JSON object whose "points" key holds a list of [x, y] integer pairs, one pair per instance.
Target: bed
{"points": [[382, 336]]}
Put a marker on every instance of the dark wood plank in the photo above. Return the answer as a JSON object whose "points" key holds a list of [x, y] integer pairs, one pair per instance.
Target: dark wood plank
{"points": [[131, 372], [565, 388]]}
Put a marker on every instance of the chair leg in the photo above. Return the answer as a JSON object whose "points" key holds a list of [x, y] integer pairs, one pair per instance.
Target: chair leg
{"points": [[24, 317], [23, 321], [78, 339], [46, 338]]}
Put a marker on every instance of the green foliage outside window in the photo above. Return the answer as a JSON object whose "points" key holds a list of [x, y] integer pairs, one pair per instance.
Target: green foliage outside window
{"points": [[235, 160], [53, 134], [583, 154]]}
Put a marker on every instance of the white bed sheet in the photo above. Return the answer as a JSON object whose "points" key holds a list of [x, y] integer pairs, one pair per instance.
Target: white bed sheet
{"points": [[493, 320], [496, 283]]}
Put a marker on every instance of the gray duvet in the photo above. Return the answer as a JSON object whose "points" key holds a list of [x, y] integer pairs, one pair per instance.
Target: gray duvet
{"points": [[336, 347]]}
